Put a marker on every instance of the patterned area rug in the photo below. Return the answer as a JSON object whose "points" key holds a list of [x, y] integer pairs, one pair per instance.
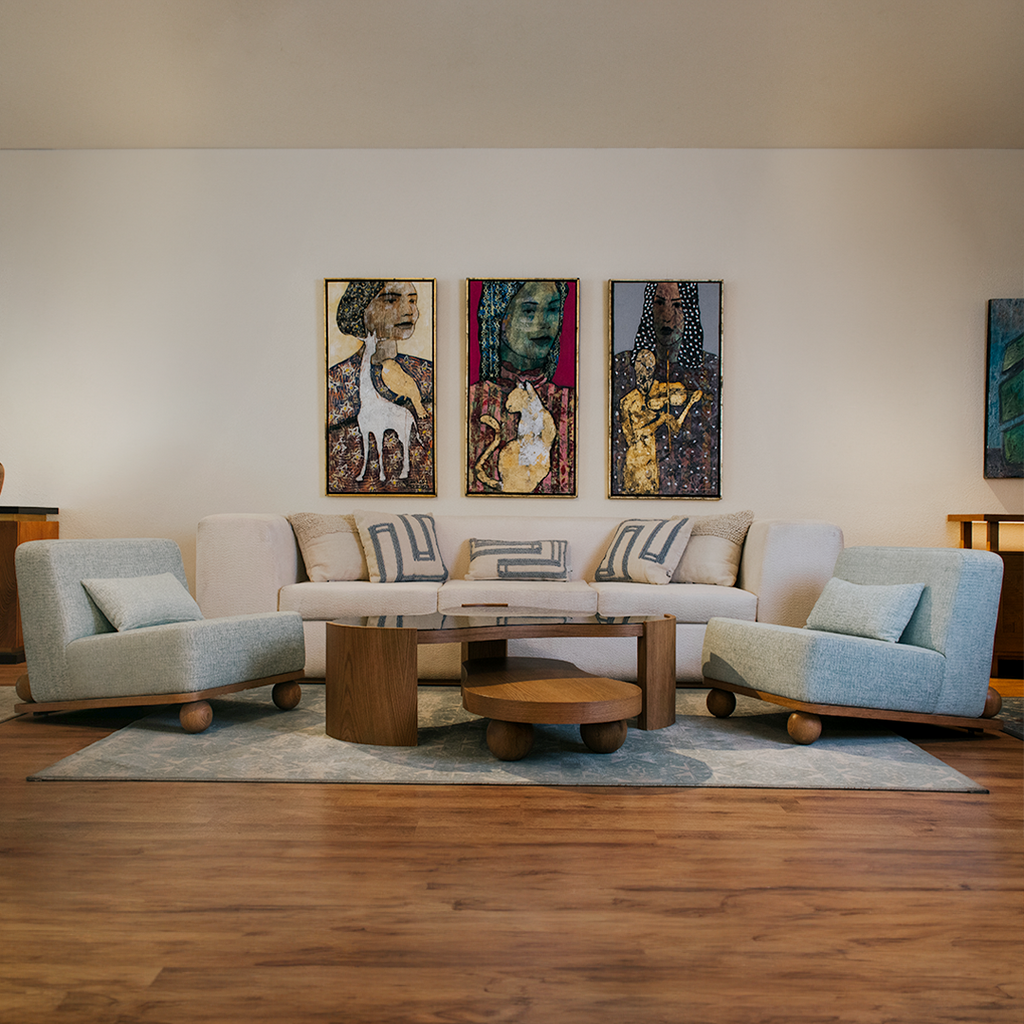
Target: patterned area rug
{"points": [[1012, 714], [251, 741], [8, 698]]}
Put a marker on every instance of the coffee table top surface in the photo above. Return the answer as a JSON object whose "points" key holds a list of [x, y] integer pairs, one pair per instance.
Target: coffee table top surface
{"points": [[483, 619]]}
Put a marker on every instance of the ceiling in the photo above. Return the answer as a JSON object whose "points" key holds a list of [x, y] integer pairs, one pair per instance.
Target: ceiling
{"points": [[511, 73]]}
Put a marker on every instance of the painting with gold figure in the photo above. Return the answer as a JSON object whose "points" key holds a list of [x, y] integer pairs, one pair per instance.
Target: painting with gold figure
{"points": [[666, 385], [521, 398], [380, 386]]}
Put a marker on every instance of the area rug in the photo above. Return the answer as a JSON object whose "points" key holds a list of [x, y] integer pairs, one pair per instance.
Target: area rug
{"points": [[8, 698], [1012, 714], [252, 741]]}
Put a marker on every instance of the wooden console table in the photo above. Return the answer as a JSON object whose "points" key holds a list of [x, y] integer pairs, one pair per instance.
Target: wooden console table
{"points": [[1009, 641], [17, 525]]}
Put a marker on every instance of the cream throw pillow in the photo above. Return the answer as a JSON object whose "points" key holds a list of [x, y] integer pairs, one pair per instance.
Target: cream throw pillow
{"points": [[330, 546], [518, 560], [644, 551], [401, 549], [713, 554]]}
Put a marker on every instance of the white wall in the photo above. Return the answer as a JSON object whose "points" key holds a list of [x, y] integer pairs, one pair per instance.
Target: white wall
{"points": [[161, 322]]}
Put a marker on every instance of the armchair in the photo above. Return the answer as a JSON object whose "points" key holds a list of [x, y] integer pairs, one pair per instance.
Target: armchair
{"points": [[111, 622], [931, 666]]}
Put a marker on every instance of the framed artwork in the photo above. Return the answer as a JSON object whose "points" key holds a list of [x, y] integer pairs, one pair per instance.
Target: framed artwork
{"points": [[1004, 406], [665, 389], [380, 386], [521, 394]]}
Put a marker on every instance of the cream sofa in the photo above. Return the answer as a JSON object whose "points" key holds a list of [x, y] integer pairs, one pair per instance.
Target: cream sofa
{"points": [[251, 562]]}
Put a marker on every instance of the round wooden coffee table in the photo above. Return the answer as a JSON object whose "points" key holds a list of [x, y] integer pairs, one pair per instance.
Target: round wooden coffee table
{"points": [[518, 693]]}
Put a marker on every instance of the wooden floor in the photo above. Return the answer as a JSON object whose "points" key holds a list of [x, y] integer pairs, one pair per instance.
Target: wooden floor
{"points": [[165, 903]]}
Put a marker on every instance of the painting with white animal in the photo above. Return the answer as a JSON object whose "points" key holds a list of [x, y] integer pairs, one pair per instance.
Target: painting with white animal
{"points": [[521, 397], [380, 386]]}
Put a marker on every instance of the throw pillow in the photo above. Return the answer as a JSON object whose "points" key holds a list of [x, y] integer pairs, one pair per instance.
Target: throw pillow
{"points": [[518, 560], [135, 601], [644, 551], [402, 548], [713, 554], [860, 609], [330, 546]]}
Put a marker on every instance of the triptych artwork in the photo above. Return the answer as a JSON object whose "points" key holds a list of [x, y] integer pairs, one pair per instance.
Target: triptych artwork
{"points": [[522, 387]]}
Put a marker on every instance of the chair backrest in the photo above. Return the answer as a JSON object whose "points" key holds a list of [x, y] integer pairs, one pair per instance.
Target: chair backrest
{"points": [[56, 608], [956, 615]]}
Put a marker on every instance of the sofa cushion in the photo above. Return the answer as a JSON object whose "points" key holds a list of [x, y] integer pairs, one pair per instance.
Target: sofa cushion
{"points": [[713, 552], [570, 596], [330, 546], [644, 550], [878, 612], [131, 602], [518, 560], [357, 597], [401, 548], [694, 603]]}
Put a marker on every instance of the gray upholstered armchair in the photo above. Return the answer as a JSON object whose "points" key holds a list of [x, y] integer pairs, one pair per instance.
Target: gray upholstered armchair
{"points": [[898, 633], [111, 622]]}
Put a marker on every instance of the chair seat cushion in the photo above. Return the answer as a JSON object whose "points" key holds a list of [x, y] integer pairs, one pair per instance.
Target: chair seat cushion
{"points": [[829, 668], [183, 657]]}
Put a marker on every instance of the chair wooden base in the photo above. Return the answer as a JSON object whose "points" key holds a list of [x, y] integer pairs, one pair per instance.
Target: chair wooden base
{"points": [[804, 724], [196, 713]]}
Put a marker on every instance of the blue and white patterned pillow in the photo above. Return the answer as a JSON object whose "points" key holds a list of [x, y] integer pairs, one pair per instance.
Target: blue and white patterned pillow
{"points": [[518, 560], [401, 549], [644, 551]]}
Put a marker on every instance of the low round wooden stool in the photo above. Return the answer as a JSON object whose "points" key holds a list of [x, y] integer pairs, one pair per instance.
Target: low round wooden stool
{"points": [[518, 693]]}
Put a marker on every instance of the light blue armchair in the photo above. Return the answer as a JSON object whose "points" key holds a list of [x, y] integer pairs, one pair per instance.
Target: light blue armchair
{"points": [[898, 633], [111, 622]]}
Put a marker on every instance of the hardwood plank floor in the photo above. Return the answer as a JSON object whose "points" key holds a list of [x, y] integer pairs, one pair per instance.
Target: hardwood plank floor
{"points": [[157, 903]]}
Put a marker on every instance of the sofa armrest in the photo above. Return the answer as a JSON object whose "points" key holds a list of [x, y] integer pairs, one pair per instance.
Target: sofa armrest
{"points": [[787, 563], [242, 562]]}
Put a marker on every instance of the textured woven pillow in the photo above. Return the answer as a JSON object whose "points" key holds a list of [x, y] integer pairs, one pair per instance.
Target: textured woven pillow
{"points": [[518, 560], [713, 554], [330, 546], [135, 601], [401, 549], [644, 551], [859, 609]]}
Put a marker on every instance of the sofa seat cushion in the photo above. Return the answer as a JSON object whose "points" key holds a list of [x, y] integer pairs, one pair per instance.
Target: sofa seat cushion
{"points": [[183, 657], [358, 597], [829, 668], [568, 596], [688, 602]]}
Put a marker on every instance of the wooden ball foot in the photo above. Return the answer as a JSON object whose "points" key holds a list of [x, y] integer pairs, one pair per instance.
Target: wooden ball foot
{"points": [[603, 737], [509, 741], [721, 703], [23, 690], [993, 703], [803, 728], [286, 695], [195, 717]]}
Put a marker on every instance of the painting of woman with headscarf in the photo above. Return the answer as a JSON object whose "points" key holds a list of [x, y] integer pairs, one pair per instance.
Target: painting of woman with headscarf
{"points": [[666, 389], [521, 400], [380, 386]]}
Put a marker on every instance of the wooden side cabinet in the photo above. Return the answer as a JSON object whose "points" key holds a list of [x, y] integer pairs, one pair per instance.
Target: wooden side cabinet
{"points": [[1008, 651], [17, 525]]}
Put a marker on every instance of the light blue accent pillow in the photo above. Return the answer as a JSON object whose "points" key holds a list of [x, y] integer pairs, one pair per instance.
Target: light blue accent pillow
{"points": [[859, 609], [132, 602], [518, 560], [644, 551]]}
